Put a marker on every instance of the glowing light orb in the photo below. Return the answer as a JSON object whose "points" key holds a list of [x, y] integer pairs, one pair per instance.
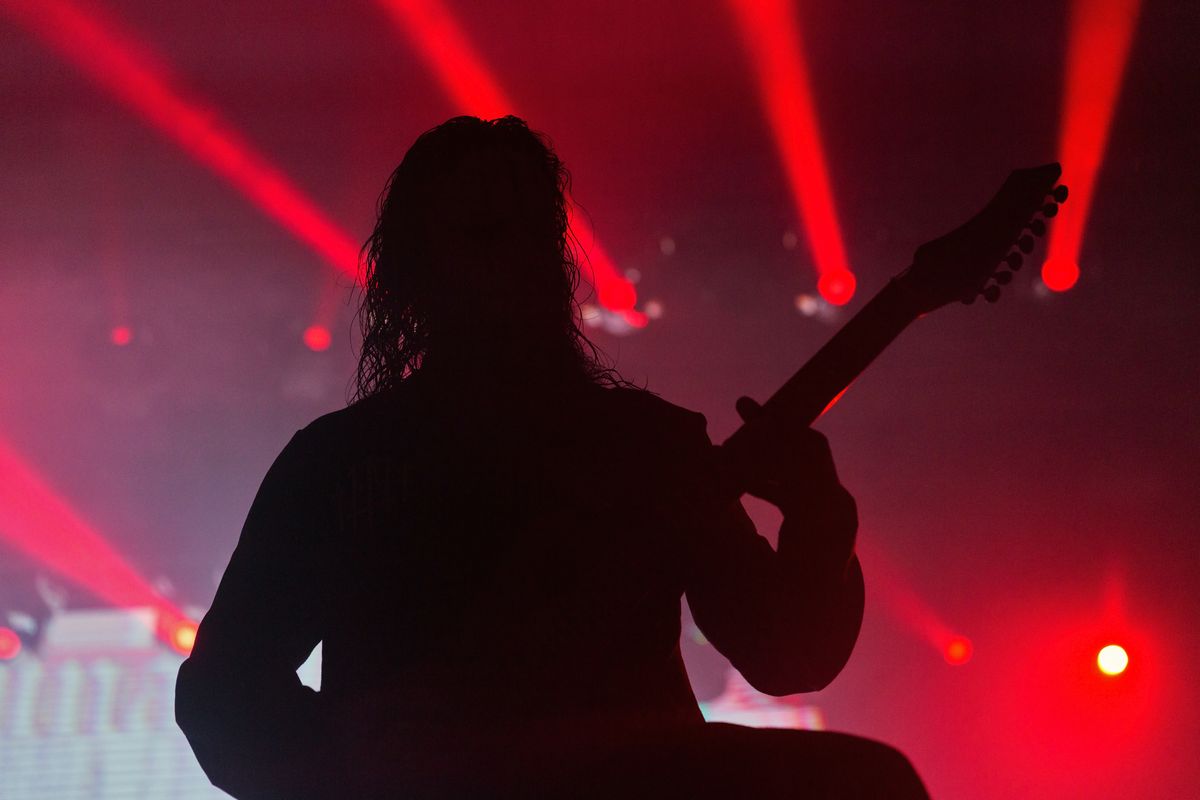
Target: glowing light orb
{"points": [[837, 286], [958, 651], [1112, 659], [121, 335], [183, 637], [1060, 274], [10, 644], [317, 338]]}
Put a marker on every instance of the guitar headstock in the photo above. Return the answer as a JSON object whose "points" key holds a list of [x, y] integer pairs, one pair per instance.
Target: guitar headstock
{"points": [[978, 257]]}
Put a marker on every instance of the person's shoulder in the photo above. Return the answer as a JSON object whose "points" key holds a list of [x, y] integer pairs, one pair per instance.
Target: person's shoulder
{"points": [[653, 409], [344, 424]]}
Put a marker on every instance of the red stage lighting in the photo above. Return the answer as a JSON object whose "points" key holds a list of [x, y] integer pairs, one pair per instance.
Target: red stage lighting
{"points": [[470, 84], [117, 63], [772, 40], [1112, 659], [1100, 32], [317, 338], [10, 644], [121, 335], [958, 651]]}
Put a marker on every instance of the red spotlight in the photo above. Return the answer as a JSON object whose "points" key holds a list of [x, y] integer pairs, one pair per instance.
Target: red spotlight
{"points": [[772, 40], [464, 76], [1112, 659], [837, 287], [958, 651], [117, 63], [121, 335], [1060, 274], [317, 338], [1100, 32], [10, 644]]}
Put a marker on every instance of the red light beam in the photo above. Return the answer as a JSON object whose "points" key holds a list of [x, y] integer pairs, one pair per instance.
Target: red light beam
{"points": [[772, 40], [122, 67], [908, 608], [472, 87], [37, 521], [1100, 32]]}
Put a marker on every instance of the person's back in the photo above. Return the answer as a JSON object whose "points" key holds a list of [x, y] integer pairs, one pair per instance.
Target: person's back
{"points": [[492, 543]]}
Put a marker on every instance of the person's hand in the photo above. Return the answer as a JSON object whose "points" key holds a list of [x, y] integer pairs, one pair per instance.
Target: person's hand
{"points": [[792, 468]]}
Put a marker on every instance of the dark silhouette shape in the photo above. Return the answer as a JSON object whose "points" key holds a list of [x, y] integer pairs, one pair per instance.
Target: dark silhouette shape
{"points": [[499, 612]]}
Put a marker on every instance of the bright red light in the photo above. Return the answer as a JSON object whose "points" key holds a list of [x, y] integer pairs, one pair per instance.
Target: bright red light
{"points": [[468, 81], [121, 335], [10, 643], [958, 650], [1060, 274], [837, 287], [1112, 659], [317, 338], [114, 61], [1100, 32], [772, 40]]}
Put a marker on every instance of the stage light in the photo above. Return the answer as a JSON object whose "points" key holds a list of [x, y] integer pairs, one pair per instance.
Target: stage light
{"points": [[1060, 274], [1099, 36], [772, 40], [958, 651], [181, 635], [10, 644], [121, 335], [1112, 659], [116, 62], [317, 338], [837, 287]]}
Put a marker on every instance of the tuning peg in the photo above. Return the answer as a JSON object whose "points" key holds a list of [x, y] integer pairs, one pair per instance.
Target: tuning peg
{"points": [[991, 293], [1050, 209], [1014, 261], [1037, 226], [1026, 244], [1060, 193], [1002, 277]]}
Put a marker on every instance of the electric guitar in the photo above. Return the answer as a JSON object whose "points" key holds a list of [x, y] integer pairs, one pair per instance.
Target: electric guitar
{"points": [[973, 260]]}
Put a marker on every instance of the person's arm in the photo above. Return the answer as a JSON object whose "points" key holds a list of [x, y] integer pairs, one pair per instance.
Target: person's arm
{"points": [[255, 729], [786, 619]]}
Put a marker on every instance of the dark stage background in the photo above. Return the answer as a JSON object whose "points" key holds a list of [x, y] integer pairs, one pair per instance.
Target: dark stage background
{"points": [[1025, 472]]}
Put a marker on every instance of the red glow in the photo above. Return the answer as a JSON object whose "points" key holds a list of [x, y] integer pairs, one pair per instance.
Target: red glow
{"points": [[1060, 274], [117, 63], [37, 521], [1097, 48], [317, 338], [10, 644], [958, 651], [837, 287], [902, 601], [121, 335], [470, 84], [772, 39]]}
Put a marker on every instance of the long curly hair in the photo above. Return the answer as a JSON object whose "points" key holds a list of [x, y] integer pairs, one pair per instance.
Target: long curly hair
{"points": [[510, 213]]}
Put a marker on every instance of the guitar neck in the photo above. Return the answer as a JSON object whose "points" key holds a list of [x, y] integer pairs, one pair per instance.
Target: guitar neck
{"points": [[843, 358]]}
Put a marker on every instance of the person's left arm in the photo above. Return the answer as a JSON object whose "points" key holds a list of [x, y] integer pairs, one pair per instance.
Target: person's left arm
{"points": [[255, 729]]}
